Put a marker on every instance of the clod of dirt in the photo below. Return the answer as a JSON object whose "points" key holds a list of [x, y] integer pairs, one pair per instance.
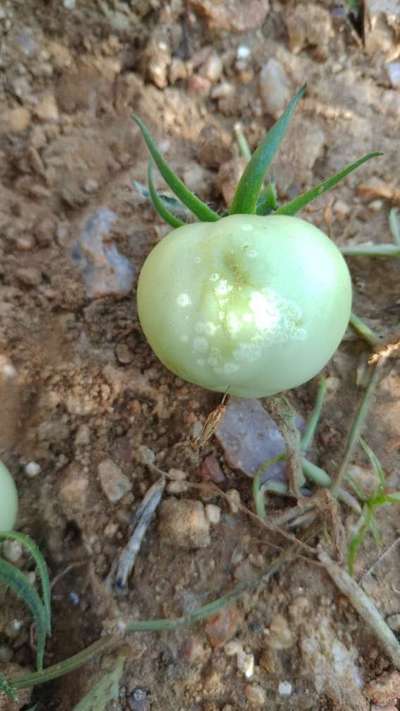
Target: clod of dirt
{"points": [[249, 437], [183, 523], [74, 490], [113, 482], [256, 696], [309, 25], [279, 634], [333, 666], [233, 15], [275, 89], [213, 146], [106, 272], [385, 689], [381, 25]]}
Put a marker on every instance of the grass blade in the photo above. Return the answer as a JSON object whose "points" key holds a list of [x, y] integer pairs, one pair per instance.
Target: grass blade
{"points": [[19, 583], [158, 204], [195, 205], [250, 184], [41, 566], [375, 463], [299, 202]]}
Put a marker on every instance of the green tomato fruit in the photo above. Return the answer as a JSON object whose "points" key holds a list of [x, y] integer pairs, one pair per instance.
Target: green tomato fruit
{"points": [[8, 500], [250, 305]]}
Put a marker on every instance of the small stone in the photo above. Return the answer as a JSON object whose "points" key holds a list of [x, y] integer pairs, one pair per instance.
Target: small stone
{"points": [[243, 52], [7, 370], [29, 276], [183, 523], [233, 498], [177, 475], [13, 628], [32, 469], [278, 635], [45, 231], [12, 550], [24, 243], [212, 68], [220, 628], [246, 664], [18, 119], [256, 695], [341, 209], [199, 85], [275, 88], [211, 471], [213, 514], [146, 455], [385, 689], [232, 16], [393, 70], [309, 25], [158, 59], [74, 489], [113, 482], [177, 487], [123, 354], [381, 26], [47, 110], [285, 688], [196, 651], [178, 70], [223, 90]]}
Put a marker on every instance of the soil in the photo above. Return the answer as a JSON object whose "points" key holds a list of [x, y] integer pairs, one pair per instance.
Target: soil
{"points": [[82, 394]]}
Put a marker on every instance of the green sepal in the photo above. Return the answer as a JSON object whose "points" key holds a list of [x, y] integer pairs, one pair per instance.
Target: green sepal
{"points": [[299, 202], [195, 205], [268, 200], [158, 203], [250, 184]]}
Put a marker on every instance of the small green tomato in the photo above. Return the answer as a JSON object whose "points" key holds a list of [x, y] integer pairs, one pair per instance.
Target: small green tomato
{"points": [[8, 500], [251, 305]]}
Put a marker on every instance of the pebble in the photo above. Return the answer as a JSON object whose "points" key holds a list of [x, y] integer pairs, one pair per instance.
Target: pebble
{"points": [[145, 455], [177, 475], [24, 243], [45, 231], [285, 688], [213, 514], [232, 16], [32, 469], [249, 436], [213, 146], [178, 70], [234, 501], [211, 470], [13, 628], [275, 89], [46, 109], [113, 482], [278, 634], [123, 354], [12, 550], [220, 628], [183, 523], [212, 68], [223, 90], [82, 437], [256, 695], [177, 487], [29, 276], [6, 654], [18, 119], [381, 26], [393, 70]]}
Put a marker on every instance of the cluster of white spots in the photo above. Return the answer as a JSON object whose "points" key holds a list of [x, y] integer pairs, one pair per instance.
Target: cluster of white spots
{"points": [[183, 300], [208, 328], [252, 253], [247, 228], [200, 344], [265, 311], [223, 287], [247, 352], [214, 277]]}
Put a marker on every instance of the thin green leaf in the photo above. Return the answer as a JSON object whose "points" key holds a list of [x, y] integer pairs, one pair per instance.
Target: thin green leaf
{"points": [[19, 583], [299, 202], [158, 204], [393, 498], [8, 689], [250, 184], [105, 690], [268, 200], [41, 566], [356, 540], [375, 463], [195, 205]]}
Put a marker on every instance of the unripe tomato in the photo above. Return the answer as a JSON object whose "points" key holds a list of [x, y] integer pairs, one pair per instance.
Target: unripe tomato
{"points": [[248, 304], [8, 500]]}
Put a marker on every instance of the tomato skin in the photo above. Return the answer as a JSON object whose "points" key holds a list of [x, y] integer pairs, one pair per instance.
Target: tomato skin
{"points": [[249, 304], [8, 500]]}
